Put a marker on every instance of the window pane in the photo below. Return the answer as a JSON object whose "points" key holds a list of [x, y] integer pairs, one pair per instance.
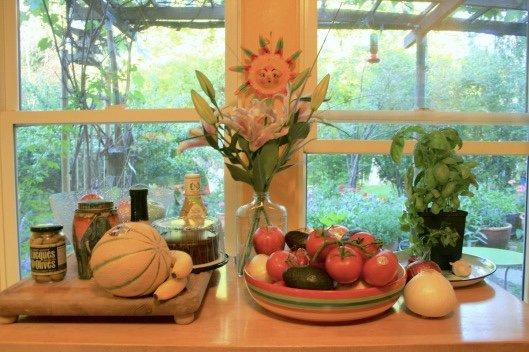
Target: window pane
{"points": [[386, 131], [473, 60], [143, 56], [366, 191], [57, 164]]}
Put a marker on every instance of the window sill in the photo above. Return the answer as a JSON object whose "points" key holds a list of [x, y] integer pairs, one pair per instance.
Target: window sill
{"points": [[488, 319]]}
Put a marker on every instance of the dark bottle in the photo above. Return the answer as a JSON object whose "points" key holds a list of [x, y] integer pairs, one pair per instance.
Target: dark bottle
{"points": [[139, 210]]}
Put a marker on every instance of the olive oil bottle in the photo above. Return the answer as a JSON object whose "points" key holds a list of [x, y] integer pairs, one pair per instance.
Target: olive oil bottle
{"points": [[193, 210]]}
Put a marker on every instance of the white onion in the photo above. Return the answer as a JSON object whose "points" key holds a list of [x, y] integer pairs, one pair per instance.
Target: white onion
{"points": [[257, 268], [430, 294]]}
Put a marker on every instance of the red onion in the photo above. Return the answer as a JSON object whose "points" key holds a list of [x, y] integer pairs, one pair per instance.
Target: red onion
{"points": [[417, 266]]}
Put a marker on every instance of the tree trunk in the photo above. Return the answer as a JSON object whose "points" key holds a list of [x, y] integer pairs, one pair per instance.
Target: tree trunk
{"points": [[353, 167]]}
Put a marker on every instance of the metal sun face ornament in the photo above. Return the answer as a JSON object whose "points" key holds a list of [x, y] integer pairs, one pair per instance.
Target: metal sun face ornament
{"points": [[267, 72]]}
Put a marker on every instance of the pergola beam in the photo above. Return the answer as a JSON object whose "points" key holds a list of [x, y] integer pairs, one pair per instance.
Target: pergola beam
{"points": [[430, 20], [352, 19], [106, 11], [208, 17], [499, 4], [139, 14]]}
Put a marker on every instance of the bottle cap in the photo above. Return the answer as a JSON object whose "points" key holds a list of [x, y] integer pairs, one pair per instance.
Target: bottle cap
{"points": [[46, 228]]}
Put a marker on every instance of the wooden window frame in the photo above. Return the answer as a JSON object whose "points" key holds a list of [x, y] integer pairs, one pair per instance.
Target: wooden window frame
{"points": [[238, 32], [11, 117]]}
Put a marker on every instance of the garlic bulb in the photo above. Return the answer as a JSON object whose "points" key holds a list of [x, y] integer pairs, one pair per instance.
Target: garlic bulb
{"points": [[257, 268], [430, 294], [461, 268]]}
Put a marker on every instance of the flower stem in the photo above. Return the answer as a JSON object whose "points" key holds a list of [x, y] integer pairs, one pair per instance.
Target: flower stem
{"points": [[247, 246]]}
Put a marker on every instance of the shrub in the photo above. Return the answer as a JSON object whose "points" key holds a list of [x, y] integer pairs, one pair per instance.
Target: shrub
{"points": [[354, 210]]}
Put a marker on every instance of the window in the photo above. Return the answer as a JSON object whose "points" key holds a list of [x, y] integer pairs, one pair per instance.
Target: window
{"points": [[370, 194], [438, 84], [58, 164], [76, 55], [97, 100], [418, 62]]}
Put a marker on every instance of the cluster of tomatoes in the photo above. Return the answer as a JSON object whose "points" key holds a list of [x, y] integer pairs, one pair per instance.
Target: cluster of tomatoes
{"points": [[346, 256]]}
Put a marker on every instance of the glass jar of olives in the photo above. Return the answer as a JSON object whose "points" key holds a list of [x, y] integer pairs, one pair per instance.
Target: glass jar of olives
{"points": [[47, 247]]}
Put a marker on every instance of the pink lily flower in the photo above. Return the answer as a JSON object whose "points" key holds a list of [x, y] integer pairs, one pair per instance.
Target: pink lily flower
{"points": [[257, 124], [198, 139]]}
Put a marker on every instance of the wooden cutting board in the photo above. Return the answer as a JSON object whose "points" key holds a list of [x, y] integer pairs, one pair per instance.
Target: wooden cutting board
{"points": [[74, 297]]}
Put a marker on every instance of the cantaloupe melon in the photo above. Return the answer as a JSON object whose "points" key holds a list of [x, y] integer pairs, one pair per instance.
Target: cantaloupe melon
{"points": [[131, 260]]}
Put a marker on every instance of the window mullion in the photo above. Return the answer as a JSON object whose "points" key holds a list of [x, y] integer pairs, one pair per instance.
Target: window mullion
{"points": [[383, 146], [10, 54], [427, 116], [114, 114]]}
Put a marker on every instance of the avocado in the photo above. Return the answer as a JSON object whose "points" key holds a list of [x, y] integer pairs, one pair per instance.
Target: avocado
{"points": [[296, 239], [308, 278]]}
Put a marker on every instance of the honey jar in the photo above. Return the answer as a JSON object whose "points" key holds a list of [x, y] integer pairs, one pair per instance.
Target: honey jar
{"points": [[47, 248]]}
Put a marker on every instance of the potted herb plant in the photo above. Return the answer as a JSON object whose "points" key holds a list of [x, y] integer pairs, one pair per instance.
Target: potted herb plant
{"points": [[434, 183]]}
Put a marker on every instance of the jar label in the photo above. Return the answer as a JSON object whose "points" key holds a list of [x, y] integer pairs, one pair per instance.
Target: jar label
{"points": [[48, 260]]}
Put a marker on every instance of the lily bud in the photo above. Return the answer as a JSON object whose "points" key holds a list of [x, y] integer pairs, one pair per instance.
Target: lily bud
{"points": [[206, 85], [203, 109], [318, 96]]}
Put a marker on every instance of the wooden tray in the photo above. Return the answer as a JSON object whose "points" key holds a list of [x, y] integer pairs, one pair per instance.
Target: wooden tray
{"points": [[74, 297]]}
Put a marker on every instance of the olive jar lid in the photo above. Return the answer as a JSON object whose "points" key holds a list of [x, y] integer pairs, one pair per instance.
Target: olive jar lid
{"points": [[46, 228], [95, 205]]}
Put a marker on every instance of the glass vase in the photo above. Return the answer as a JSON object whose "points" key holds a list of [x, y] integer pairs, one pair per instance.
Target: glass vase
{"points": [[261, 211]]}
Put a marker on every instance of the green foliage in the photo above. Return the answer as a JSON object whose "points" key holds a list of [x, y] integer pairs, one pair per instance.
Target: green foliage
{"points": [[488, 208]]}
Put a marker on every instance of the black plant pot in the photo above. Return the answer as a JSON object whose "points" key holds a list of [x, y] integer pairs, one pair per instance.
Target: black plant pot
{"points": [[456, 220]]}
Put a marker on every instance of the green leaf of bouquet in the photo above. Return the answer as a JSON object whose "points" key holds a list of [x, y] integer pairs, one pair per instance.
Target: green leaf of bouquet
{"points": [[284, 167], [239, 174], [243, 143], [299, 130], [265, 164], [211, 141]]}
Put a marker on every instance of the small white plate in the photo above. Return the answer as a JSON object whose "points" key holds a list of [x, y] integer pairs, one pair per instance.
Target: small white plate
{"points": [[481, 268]]}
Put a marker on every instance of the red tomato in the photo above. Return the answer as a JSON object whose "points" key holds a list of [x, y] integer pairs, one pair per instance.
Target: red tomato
{"points": [[381, 269], [280, 283], [91, 196], [344, 265], [316, 239], [278, 262], [268, 239], [357, 250], [302, 257], [367, 242], [338, 231]]}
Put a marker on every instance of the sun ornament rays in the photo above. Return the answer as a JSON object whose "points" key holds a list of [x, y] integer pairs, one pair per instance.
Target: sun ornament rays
{"points": [[267, 72]]}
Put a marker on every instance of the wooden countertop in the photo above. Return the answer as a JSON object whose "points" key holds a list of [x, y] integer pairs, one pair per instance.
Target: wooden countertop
{"points": [[488, 319]]}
